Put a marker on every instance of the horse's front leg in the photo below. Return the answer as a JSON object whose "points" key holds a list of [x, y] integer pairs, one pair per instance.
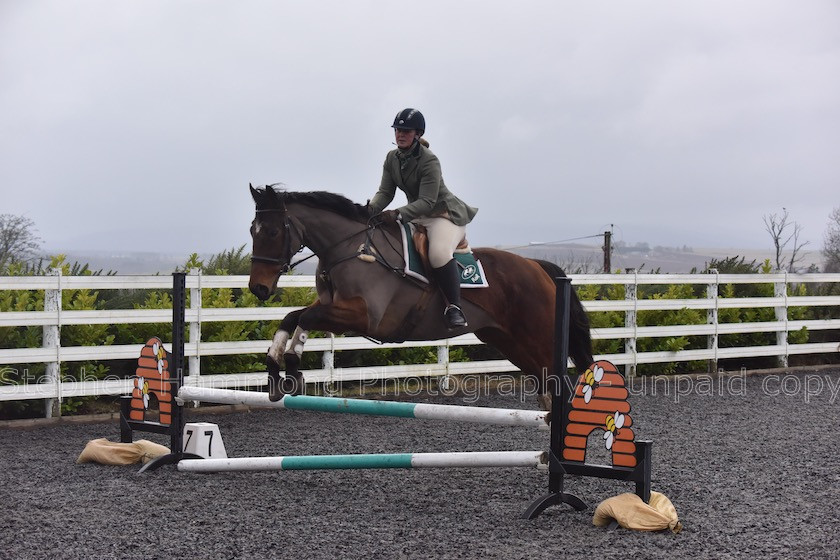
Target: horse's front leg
{"points": [[347, 315], [293, 382], [335, 318], [275, 356], [340, 317]]}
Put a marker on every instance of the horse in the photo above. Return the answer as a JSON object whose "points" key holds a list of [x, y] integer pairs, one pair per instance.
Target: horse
{"points": [[362, 289]]}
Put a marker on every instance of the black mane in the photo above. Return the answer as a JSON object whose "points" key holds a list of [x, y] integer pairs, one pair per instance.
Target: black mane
{"points": [[270, 199]]}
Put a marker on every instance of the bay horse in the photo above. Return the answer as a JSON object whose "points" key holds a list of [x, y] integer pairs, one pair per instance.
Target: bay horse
{"points": [[362, 289]]}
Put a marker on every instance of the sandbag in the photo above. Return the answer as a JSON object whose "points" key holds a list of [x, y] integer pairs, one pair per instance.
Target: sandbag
{"points": [[110, 453], [632, 513]]}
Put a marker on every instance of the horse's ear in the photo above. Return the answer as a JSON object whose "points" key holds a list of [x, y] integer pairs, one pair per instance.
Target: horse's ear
{"points": [[274, 198], [254, 192]]}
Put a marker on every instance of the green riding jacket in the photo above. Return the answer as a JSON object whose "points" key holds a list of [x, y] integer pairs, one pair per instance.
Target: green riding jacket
{"points": [[417, 173]]}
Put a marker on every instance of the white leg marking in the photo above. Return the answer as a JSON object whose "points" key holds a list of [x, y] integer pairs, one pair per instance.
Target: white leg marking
{"points": [[278, 345], [298, 340]]}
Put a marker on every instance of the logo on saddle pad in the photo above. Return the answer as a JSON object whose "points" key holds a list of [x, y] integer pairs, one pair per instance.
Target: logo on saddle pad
{"points": [[469, 272], [472, 273]]}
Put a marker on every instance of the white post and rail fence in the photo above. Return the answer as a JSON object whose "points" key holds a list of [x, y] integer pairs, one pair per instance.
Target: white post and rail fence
{"points": [[52, 353]]}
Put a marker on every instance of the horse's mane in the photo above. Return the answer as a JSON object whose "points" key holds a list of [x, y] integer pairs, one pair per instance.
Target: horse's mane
{"points": [[333, 202]]}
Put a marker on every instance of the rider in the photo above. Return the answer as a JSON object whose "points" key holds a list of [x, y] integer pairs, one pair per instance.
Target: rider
{"points": [[416, 171]]}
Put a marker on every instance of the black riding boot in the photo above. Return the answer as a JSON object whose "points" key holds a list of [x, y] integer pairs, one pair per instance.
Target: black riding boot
{"points": [[449, 282]]}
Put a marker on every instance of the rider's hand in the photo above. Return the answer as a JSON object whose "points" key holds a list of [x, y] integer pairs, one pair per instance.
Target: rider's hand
{"points": [[388, 217]]}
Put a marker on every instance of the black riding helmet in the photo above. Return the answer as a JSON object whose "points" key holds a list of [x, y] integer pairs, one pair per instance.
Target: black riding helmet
{"points": [[410, 119]]}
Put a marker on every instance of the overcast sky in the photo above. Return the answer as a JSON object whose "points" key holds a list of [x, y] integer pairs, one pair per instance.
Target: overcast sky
{"points": [[137, 125]]}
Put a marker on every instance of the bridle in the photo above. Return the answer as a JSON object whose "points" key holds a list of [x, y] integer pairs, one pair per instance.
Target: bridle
{"points": [[287, 226]]}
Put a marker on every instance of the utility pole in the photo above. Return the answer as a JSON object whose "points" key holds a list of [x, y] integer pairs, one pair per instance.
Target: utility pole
{"points": [[607, 251]]}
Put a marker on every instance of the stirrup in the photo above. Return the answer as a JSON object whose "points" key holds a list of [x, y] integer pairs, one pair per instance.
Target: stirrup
{"points": [[454, 316]]}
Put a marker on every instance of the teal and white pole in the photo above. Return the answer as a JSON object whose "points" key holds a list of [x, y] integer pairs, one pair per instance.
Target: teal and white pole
{"points": [[498, 459], [474, 414]]}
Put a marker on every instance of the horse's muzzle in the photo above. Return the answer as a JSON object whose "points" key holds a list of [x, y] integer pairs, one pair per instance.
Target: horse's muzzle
{"points": [[262, 291]]}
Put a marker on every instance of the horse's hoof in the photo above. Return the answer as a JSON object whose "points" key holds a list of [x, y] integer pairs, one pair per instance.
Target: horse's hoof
{"points": [[293, 382], [275, 389], [292, 385], [275, 393]]}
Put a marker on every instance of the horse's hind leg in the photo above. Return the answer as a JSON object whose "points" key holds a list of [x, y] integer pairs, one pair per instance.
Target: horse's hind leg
{"points": [[544, 402], [528, 352]]}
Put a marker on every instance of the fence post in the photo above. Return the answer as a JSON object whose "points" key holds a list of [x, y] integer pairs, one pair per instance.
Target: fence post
{"points": [[712, 291], [630, 322], [328, 362], [444, 381], [607, 252], [780, 290], [195, 327], [52, 339]]}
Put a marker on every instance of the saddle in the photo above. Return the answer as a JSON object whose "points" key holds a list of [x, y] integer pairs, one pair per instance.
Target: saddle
{"points": [[415, 248], [416, 255]]}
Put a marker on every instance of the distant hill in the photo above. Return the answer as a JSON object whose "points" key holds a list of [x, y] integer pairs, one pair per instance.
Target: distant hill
{"points": [[590, 259], [571, 257], [126, 262]]}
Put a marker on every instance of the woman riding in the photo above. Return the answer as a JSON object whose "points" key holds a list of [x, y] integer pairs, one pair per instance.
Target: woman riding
{"points": [[416, 171]]}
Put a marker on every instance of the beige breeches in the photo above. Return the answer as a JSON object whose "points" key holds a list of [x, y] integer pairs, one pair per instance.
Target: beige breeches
{"points": [[444, 237]]}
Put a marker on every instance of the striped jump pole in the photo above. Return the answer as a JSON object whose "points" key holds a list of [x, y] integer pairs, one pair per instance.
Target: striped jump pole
{"points": [[369, 461], [475, 414]]}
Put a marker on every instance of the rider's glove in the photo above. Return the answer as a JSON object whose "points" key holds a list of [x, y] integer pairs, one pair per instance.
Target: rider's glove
{"points": [[387, 217]]}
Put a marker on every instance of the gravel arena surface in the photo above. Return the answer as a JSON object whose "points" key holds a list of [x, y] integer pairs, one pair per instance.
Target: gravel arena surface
{"points": [[751, 470]]}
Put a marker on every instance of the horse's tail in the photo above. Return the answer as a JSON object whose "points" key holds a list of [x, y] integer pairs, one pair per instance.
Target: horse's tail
{"points": [[580, 340]]}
